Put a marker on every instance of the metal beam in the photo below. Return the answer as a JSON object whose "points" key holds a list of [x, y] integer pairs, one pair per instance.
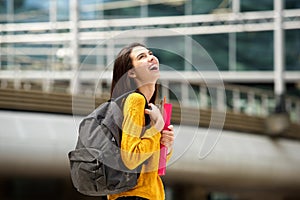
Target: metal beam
{"points": [[214, 19], [186, 76], [58, 38]]}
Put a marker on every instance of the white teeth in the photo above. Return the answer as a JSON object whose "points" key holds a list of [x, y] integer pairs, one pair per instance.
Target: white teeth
{"points": [[153, 67]]}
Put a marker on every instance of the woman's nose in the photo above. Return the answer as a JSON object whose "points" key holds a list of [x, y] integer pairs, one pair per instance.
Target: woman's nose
{"points": [[150, 58]]}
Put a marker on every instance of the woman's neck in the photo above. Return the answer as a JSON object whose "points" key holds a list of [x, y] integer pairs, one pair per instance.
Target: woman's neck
{"points": [[148, 91]]}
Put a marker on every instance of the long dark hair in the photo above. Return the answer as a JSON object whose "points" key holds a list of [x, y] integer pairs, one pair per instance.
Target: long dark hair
{"points": [[121, 83]]}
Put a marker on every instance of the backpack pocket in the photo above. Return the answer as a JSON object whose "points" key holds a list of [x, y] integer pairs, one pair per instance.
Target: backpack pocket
{"points": [[87, 170]]}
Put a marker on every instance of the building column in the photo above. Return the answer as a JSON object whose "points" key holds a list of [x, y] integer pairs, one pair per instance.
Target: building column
{"points": [[232, 38], [74, 45], [280, 117], [279, 56]]}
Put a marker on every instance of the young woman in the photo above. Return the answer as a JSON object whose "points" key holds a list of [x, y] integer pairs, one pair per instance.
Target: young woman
{"points": [[137, 69]]}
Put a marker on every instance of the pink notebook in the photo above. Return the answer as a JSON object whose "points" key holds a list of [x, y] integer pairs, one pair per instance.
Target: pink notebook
{"points": [[167, 112]]}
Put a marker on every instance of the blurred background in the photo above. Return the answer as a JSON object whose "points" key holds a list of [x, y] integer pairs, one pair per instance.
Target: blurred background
{"points": [[231, 68]]}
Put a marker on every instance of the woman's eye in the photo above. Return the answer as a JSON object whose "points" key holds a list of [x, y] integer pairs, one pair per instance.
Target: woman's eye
{"points": [[141, 56]]}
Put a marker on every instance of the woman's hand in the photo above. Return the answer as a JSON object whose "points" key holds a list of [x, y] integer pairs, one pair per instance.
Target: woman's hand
{"points": [[167, 137], [155, 117]]}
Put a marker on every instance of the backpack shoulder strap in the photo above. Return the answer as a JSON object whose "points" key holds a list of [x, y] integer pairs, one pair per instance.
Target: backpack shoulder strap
{"points": [[147, 117]]}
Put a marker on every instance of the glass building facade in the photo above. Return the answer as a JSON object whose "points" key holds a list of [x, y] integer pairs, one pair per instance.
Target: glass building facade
{"points": [[41, 42], [254, 50]]}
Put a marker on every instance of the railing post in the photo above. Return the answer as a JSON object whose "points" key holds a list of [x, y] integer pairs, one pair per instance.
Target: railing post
{"points": [[265, 104], [236, 101], [221, 101], [184, 94], [251, 103], [288, 104], [17, 80], [203, 97], [297, 111], [3, 84]]}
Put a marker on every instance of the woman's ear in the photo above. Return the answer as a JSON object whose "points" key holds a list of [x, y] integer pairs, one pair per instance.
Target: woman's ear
{"points": [[131, 73]]}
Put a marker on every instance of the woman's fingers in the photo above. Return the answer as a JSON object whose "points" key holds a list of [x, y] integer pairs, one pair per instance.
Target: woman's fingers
{"points": [[155, 116], [147, 111], [167, 137]]}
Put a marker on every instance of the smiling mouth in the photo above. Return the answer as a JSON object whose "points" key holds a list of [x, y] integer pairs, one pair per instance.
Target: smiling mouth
{"points": [[153, 68]]}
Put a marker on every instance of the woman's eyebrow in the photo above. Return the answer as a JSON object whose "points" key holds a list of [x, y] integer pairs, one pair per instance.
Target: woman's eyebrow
{"points": [[149, 52], [140, 54], [143, 53]]}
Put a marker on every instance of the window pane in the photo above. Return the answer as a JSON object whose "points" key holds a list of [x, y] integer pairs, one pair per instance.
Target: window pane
{"points": [[208, 6], [166, 9], [63, 10], [217, 47], [255, 51], [250, 5], [169, 51], [31, 11], [121, 9], [292, 49], [292, 4]]}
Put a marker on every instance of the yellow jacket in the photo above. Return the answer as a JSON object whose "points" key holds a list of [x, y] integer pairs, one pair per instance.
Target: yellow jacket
{"points": [[138, 148]]}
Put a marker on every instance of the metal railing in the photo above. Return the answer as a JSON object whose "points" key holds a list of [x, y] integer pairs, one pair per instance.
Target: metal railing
{"points": [[232, 98], [188, 92]]}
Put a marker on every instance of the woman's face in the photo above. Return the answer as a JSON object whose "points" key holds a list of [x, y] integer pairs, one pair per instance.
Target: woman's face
{"points": [[145, 65]]}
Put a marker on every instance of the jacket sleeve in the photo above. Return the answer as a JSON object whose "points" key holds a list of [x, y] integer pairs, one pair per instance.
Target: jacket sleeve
{"points": [[137, 148]]}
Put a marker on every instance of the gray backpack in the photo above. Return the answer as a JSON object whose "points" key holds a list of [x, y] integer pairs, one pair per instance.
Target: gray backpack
{"points": [[96, 164]]}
